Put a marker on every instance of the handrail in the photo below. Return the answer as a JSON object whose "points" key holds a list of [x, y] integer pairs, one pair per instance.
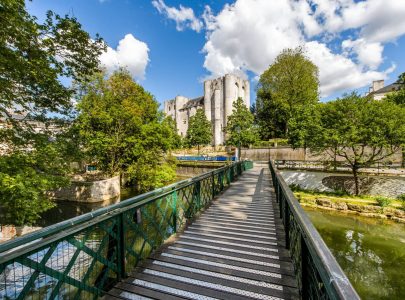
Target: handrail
{"points": [[49, 230], [319, 274], [87, 254]]}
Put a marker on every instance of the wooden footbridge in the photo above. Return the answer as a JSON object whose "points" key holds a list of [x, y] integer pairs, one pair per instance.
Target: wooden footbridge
{"points": [[234, 233]]}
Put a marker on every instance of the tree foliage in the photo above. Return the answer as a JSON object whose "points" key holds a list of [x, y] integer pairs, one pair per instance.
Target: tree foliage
{"points": [[33, 57], [26, 177], [122, 131], [360, 130], [240, 127], [304, 126], [398, 97], [289, 83], [199, 130]]}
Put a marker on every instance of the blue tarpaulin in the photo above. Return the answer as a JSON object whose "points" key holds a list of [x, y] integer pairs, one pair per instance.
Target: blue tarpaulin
{"points": [[207, 158]]}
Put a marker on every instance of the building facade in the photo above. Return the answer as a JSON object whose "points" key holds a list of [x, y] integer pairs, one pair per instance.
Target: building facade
{"points": [[219, 95], [378, 91]]}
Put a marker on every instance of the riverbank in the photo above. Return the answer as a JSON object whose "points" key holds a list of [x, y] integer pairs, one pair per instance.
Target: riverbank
{"points": [[367, 206]]}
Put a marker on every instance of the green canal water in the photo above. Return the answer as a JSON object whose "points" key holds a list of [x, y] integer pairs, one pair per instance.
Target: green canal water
{"points": [[370, 251]]}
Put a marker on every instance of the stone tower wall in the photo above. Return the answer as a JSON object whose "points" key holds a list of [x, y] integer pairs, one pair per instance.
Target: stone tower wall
{"points": [[219, 95]]}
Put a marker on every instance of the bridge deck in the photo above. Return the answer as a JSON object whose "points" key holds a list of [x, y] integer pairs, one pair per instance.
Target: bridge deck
{"points": [[234, 250]]}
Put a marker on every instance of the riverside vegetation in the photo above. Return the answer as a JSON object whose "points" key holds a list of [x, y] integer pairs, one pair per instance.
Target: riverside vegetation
{"points": [[365, 205]]}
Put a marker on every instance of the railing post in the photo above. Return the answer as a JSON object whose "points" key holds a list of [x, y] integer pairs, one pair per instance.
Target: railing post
{"points": [[278, 193], [174, 211], [304, 287], [121, 250], [197, 194], [287, 225], [213, 185], [228, 176], [222, 180]]}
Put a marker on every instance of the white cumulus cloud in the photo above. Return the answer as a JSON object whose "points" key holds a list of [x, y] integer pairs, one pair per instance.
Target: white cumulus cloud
{"points": [[183, 16], [131, 54], [344, 38]]}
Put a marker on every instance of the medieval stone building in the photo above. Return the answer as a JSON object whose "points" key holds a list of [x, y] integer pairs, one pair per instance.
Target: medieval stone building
{"points": [[219, 95]]}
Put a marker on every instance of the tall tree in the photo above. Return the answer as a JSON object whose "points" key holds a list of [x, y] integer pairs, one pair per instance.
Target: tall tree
{"points": [[304, 126], [398, 97], [360, 130], [33, 56], [240, 127], [289, 83], [199, 130], [122, 130]]}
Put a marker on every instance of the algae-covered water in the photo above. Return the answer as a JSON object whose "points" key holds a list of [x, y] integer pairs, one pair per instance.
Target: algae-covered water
{"points": [[370, 251]]}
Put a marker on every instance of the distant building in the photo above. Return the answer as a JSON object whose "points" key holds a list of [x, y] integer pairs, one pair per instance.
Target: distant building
{"points": [[378, 91], [26, 122], [219, 95]]}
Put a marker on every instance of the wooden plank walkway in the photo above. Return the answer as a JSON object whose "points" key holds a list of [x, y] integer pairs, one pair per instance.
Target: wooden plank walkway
{"points": [[234, 250]]}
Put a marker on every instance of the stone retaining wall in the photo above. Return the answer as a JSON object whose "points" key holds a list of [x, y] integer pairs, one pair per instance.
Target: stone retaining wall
{"points": [[288, 153], [387, 186], [86, 191]]}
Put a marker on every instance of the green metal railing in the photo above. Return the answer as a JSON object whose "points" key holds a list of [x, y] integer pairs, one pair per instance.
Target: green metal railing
{"points": [[83, 257], [318, 273]]}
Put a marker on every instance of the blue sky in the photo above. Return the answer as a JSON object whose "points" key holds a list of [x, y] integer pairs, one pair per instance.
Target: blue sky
{"points": [[171, 46]]}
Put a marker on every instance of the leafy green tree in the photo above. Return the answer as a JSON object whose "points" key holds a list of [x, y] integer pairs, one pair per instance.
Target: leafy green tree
{"points": [[33, 56], [122, 130], [401, 78], [26, 177], [304, 126], [240, 128], [199, 130], [398, 97], [175, 138], [360, 130], [289, 83]]}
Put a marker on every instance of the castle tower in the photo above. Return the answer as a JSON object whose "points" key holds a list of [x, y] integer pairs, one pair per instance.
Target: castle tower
{"points": [[219, 96]]}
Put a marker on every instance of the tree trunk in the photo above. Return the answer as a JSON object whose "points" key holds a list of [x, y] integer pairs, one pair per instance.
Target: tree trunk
{"points": [[198, 147], [355, 170], [335, 160]]}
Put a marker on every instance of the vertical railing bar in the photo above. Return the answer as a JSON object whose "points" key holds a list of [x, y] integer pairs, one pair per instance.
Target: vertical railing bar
{"points": [[121, 252], [174, 198], [287, 225]]}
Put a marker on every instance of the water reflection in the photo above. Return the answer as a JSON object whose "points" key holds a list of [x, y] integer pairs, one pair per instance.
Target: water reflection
{"points": [[69, 209], [370, 251]]}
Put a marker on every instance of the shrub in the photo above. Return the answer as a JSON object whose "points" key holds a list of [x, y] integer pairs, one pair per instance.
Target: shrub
{"points": [[402, 199], [296, 187], [383, 202]]}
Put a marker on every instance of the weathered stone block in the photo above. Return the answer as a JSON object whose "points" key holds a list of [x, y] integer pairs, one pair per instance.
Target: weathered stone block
{"points": [[323, 202]]}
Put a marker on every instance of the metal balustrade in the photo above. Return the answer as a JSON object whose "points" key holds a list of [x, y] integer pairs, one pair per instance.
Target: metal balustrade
{"points": [[318, 273], [83, 257]]}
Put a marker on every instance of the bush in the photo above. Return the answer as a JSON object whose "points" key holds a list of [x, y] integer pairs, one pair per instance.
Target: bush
{"points": [[383, 202], [402, 199]]}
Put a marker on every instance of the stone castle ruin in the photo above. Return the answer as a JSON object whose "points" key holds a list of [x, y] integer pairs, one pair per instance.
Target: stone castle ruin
{"points": [[219, 95]]}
